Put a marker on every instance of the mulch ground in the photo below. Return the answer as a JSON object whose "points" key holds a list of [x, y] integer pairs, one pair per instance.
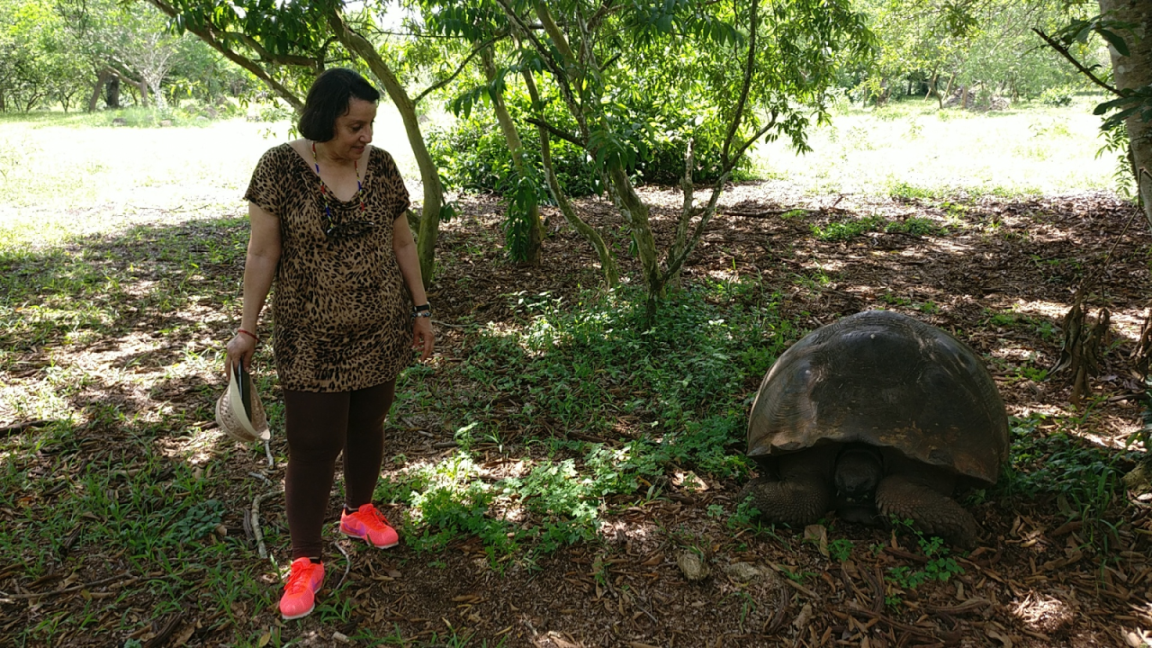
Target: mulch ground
{"points": [[1042, 578]]}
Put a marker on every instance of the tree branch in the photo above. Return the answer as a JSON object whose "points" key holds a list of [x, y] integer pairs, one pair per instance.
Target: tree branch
{"points": [[746, 87], [558, 71], [555, 131], [265, 55], [440, 84], [1063, 51], [731, 164]]}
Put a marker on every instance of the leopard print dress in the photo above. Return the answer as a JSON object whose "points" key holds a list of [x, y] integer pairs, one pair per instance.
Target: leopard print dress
{"points": [[341, 311]]}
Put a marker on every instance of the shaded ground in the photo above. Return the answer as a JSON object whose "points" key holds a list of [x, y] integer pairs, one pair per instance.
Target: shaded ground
{"points": [[999, 273]]}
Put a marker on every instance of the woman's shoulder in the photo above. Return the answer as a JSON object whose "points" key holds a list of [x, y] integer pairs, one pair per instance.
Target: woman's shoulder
{"points": [[277, 155], [282, 151], [384, 159], [279, 158]]}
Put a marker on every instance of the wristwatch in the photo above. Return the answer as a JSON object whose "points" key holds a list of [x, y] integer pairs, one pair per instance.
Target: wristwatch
{"points": [[422, 311]]}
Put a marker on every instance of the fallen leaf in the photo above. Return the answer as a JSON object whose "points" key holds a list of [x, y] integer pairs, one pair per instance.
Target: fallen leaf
{"points": [[818, 535]]}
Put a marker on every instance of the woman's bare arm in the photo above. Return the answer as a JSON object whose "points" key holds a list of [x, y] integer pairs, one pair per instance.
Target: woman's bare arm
{"points": [[259, 271]]}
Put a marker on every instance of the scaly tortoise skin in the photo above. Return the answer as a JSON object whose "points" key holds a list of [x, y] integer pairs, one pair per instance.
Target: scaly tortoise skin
{"points": [[877, 413]]}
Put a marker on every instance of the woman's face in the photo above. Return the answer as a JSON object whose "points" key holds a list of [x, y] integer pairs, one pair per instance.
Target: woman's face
{"points": [[353, 130]]}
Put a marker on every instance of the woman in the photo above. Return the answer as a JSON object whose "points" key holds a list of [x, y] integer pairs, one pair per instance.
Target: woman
{"points": [[327, 224]]}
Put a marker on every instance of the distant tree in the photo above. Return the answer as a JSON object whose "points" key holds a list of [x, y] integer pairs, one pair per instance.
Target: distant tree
{"points": [[128, 42], [38, 57], [741, 71], [935, 46], [203, 74]]}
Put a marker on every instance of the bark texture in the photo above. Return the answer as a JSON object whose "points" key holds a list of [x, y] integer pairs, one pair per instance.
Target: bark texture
{"points": [[535, 233], [1132, 72], [433, 190]]}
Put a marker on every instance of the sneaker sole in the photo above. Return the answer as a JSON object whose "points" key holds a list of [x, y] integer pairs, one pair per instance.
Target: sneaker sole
{"points": [[365, 539], [299, 616]]}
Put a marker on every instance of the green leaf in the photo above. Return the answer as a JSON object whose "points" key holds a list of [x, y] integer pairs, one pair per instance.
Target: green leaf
{"points": [[1115, 40]]}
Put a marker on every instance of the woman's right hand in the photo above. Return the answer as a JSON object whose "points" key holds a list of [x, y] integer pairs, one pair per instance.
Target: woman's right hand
{"points": [[240, 349]]}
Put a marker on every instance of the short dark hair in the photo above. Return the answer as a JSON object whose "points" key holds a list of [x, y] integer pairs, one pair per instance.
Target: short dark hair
{"points": [[328, 99]]}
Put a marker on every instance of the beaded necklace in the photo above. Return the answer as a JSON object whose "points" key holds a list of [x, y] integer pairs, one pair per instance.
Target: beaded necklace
{"points": [[328, 196]]}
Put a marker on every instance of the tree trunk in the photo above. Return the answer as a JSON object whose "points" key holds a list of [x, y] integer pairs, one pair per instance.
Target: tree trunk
{"points": [[634, 209], [607, 261], [1132, 72], [535, 235], [112, 93], [101, 79], [433, 190]]}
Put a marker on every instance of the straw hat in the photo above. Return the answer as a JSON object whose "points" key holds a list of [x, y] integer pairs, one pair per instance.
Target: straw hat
{"points": [[239, 411]]}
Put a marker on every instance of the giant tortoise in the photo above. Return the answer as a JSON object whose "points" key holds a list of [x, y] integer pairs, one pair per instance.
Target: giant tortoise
{"points": [[877, 415]]}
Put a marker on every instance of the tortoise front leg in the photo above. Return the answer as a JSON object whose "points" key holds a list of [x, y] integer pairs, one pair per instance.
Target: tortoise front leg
{"points": [[798, 501], [931, 511]]}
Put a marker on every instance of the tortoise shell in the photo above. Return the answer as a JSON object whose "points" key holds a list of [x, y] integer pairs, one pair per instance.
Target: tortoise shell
{"points": [[888, 380]]}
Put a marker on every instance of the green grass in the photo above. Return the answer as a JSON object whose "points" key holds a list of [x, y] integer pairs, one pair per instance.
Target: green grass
{"points": [[851, 228], [1048, 461], [564, 368], [913, 150]]}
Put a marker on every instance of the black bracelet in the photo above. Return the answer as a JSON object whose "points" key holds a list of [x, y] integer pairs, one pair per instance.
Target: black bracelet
{"points": [[422, 311]]}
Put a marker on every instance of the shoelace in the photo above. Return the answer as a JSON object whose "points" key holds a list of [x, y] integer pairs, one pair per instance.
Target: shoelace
{"points": [[298, 581], [374, 512]]}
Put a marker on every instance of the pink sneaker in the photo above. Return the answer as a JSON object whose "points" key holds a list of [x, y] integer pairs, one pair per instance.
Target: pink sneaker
{"points": [[300, 591], [369, 525]]}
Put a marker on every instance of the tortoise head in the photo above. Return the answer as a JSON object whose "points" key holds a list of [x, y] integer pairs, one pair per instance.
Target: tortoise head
{"points": [[858, 472]]}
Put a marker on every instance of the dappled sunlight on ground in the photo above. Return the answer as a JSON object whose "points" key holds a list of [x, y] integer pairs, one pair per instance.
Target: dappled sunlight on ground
{"points": [[1044, 614]]}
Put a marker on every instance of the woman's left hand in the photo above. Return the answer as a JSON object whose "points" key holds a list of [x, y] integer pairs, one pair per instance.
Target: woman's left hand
{"points": [[422, 337]]}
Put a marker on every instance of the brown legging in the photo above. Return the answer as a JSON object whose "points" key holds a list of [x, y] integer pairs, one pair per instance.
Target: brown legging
{"points": [[320, 425]]}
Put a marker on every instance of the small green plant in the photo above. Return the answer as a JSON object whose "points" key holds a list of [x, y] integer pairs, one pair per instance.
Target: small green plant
{"points": [[940, 566], [954, 212], [797, 575], [849, 229], [900, 190], [840, 549], [929, 307], [1035, 374], [200, 520], [915, 226]]}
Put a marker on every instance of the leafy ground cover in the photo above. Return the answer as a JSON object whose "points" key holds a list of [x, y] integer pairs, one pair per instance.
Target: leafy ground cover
{"points": [[558, 458]]}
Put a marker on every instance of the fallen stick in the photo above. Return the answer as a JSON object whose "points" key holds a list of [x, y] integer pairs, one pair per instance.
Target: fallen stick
{"points": [[347, 564], [255, 517], [162, 637], [17, 428], [128, 579]]}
